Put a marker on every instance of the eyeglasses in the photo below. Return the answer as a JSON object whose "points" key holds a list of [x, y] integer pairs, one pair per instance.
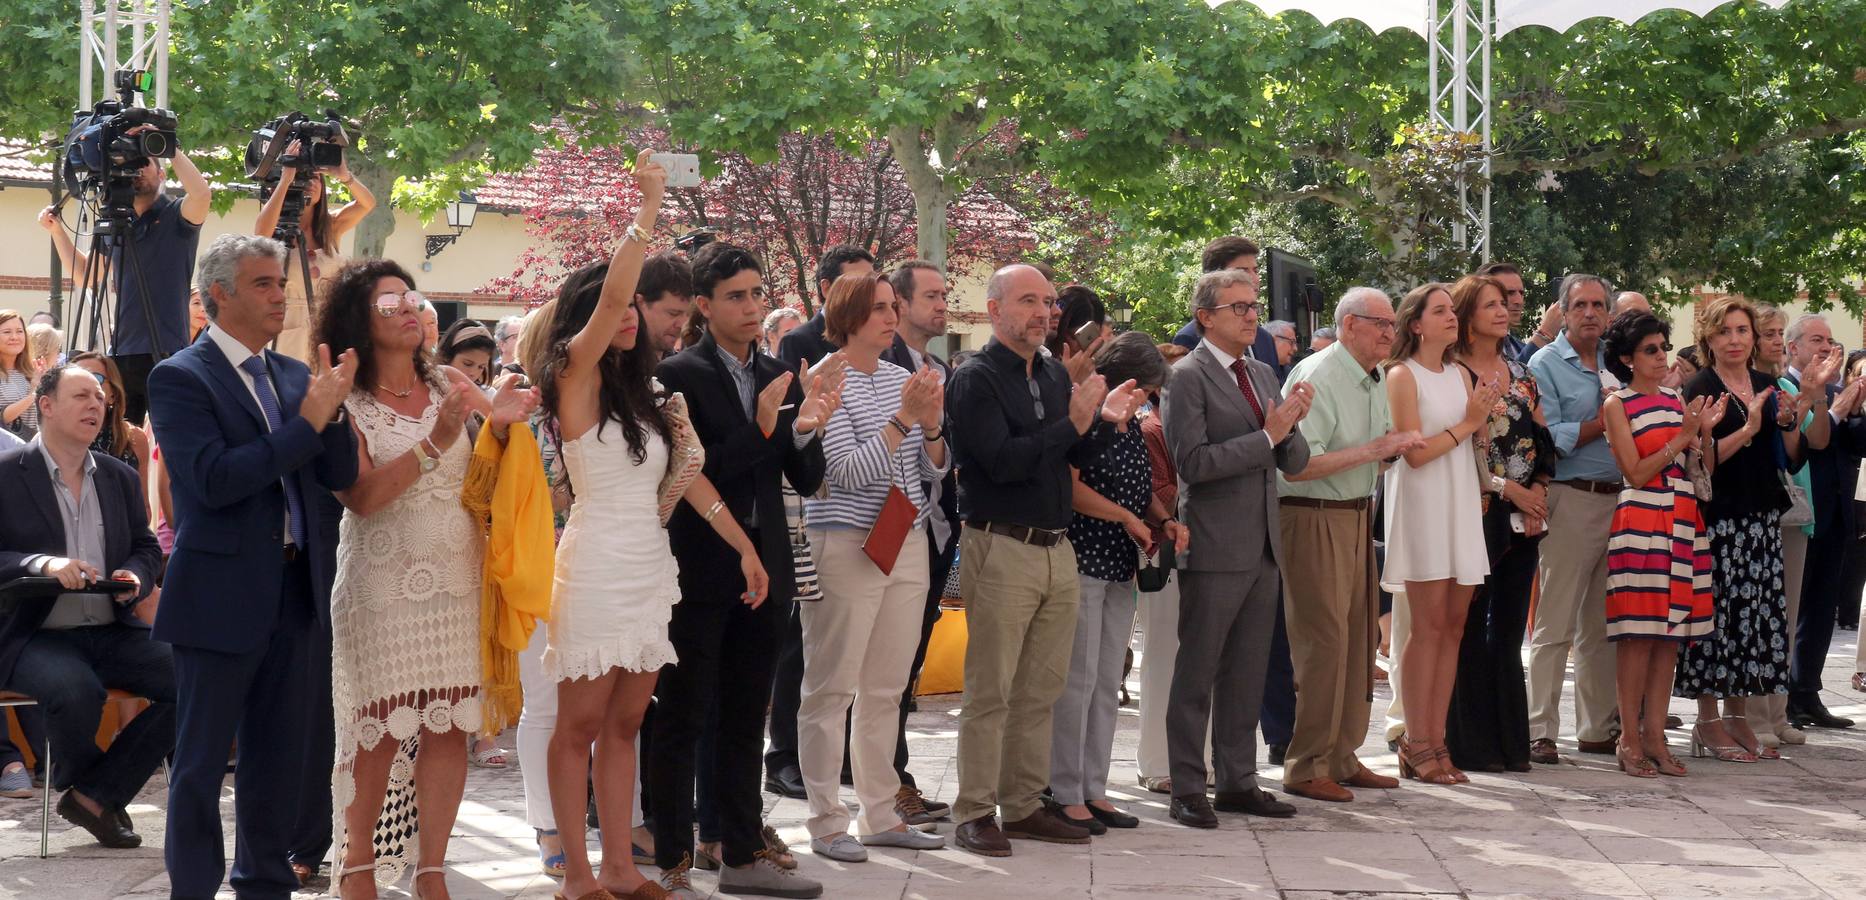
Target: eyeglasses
{"points": [[1382, 324], [1656, 349], [390, 303], [1036, 397], [1242, 309]]}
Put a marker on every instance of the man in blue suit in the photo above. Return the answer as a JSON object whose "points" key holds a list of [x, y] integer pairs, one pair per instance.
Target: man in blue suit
{"points": [[251, 437]]}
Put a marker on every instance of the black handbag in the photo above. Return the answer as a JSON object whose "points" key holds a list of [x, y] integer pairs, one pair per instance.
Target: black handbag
{"points": [[1153, 576]]}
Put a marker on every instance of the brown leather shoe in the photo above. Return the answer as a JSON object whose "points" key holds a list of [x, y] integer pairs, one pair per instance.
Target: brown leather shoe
{"points": [[1371, 780], [1602, 748], [1542, 750], [1042, 825], [982, 836], [1320, 789]]}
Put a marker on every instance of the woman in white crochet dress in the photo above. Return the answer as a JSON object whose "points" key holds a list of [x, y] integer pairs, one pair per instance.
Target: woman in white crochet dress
{"points": [[615, 587], [405, 609]]}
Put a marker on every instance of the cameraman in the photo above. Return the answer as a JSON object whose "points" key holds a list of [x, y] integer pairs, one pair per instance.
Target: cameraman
{"points": [[163, 238], [319, 233]]}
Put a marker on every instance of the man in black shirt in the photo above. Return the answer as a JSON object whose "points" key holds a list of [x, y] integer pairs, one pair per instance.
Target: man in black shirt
{"points": [[1016, 430], [150, 275]]}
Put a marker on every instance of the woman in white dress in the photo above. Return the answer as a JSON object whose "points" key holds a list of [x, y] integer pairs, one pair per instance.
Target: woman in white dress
{"points": [[405, 609], [615, 587], [1434, 517], [320, 231]]}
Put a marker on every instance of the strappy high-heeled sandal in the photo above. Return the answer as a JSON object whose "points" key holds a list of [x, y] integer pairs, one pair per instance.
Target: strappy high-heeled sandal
{"points": [[1418, 761], [1444, 760], [337, 881], [1701, 748], [414, 883], [1758, 751], [1637, 766]]}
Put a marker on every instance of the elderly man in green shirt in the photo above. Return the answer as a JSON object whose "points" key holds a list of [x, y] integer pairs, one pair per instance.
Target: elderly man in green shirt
{"points": [[1331, 591]]}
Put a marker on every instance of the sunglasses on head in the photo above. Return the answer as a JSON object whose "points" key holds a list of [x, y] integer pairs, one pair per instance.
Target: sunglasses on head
{"points": [[389, 303]]}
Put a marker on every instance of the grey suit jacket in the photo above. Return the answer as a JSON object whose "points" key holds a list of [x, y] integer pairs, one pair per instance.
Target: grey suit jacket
{"points": [[1227, 471]]}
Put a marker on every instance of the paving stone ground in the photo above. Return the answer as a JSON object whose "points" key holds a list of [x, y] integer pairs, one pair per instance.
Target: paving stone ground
{"points": [[1794, 828]]}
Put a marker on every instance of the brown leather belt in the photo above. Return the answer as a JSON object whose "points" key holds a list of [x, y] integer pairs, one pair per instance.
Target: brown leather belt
{"points": [[1318, 503], [1594, 487], [1036, 537]]}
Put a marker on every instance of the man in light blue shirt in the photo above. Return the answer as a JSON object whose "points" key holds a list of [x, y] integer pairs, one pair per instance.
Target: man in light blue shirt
{"points": [[1571, 611]]}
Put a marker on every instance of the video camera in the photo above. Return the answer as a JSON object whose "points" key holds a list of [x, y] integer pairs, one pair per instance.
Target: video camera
{"points": [[319, 148], [102, 157]]}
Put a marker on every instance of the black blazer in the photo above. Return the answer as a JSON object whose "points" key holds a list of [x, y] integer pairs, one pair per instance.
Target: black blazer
{"points": [[745, 466], [807, 342], [34, 525], [949, 485]]}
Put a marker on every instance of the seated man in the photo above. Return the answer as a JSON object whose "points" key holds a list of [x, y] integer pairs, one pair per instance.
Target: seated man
{"points": [[79, 517]]}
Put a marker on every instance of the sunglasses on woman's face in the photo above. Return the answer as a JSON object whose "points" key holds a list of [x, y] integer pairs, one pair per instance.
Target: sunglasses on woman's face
{"points": [[390, 303], [1656, 349]]}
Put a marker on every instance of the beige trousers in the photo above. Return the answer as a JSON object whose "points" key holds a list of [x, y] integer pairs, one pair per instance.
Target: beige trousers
{"points": [[1331, 605], [858, 645], [1571, 615], [1020, 614]]}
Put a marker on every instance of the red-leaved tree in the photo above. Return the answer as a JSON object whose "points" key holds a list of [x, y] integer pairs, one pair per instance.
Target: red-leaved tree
{"points": [[816, 193]]}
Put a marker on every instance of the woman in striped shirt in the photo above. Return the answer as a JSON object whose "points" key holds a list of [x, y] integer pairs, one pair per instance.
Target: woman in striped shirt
{"points": [[887, 435]]}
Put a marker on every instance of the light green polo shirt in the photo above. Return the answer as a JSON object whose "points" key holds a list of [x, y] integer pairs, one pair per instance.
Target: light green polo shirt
{"points": [[1350, 409]]}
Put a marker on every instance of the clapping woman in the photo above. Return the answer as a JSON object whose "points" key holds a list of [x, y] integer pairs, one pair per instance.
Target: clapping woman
{"points": [[405, 609], [1435, 529]]}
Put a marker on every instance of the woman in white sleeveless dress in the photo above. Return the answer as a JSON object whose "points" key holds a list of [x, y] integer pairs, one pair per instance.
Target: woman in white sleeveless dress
{"points": [[320, 233], [1434, 516], [615, 587], [405, 609]]}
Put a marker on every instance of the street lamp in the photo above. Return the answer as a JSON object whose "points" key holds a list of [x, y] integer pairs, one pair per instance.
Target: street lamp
{"points": [[460, 215], [1122, 313]]}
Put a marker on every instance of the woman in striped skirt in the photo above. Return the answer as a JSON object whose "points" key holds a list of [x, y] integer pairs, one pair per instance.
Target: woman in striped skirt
{"points": [[1658, 559]]}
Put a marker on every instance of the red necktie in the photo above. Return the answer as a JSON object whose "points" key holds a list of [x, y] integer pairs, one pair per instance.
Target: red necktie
{"points": [[1250, 393]]}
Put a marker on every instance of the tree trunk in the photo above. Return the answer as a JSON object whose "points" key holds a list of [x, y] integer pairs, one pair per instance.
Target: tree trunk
{"points": [[372, 234], [932, 193]]}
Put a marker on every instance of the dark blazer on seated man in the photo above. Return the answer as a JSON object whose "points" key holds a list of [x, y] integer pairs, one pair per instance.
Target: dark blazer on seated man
{"points": [[66, 650], [251, 438]]}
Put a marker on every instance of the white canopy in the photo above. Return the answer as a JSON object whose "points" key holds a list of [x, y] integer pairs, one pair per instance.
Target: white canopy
{"points": [[1560, 15]]}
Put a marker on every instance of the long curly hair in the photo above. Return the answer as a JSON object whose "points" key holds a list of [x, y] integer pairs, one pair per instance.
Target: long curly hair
{"points": [[627, 395], [349, 305]]}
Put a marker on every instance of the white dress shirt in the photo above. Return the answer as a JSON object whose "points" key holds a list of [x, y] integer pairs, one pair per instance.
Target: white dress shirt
{"points": [[238, 354]]}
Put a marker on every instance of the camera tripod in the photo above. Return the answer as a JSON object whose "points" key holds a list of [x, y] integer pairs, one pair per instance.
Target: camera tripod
{"points": [[112, 254]]}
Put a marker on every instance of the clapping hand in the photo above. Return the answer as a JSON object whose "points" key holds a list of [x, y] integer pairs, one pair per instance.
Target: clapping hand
{"points": [[1693, 417], [923, 400], [1752, 421], [451, 420], [1848, 402], [1121, 402], [822, 392], [329, 386], [511, 403], [1284, 416], [1085, 400], [1396, 443], [1478, 406], [1713, 413], [771, 401]]}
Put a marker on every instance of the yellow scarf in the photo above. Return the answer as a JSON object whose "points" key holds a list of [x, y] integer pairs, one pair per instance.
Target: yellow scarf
{"points": [[506, 489]]}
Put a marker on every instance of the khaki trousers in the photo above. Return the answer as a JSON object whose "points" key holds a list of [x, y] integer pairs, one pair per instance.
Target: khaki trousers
{"points": [[1331, 605], [858, 647], [1571, 614], [1020, 614]]}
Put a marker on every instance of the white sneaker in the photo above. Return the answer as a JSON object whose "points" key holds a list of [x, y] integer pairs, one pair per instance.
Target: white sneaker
{"points": [[841, 848], [911, 839], [763, 878]]}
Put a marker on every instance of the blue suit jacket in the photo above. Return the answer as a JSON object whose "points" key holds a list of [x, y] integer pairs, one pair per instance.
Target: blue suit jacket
{"points": [[225, 467]]}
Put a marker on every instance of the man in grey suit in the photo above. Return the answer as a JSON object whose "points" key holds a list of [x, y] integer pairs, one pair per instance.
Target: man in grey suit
{"points": [[1228, 436]]}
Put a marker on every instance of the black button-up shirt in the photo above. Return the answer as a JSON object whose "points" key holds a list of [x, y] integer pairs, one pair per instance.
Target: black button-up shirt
{"points": [[1013, 464]]}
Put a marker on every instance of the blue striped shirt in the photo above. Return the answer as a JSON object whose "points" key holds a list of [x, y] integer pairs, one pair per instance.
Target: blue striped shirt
{"points": [[859, 467]]}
